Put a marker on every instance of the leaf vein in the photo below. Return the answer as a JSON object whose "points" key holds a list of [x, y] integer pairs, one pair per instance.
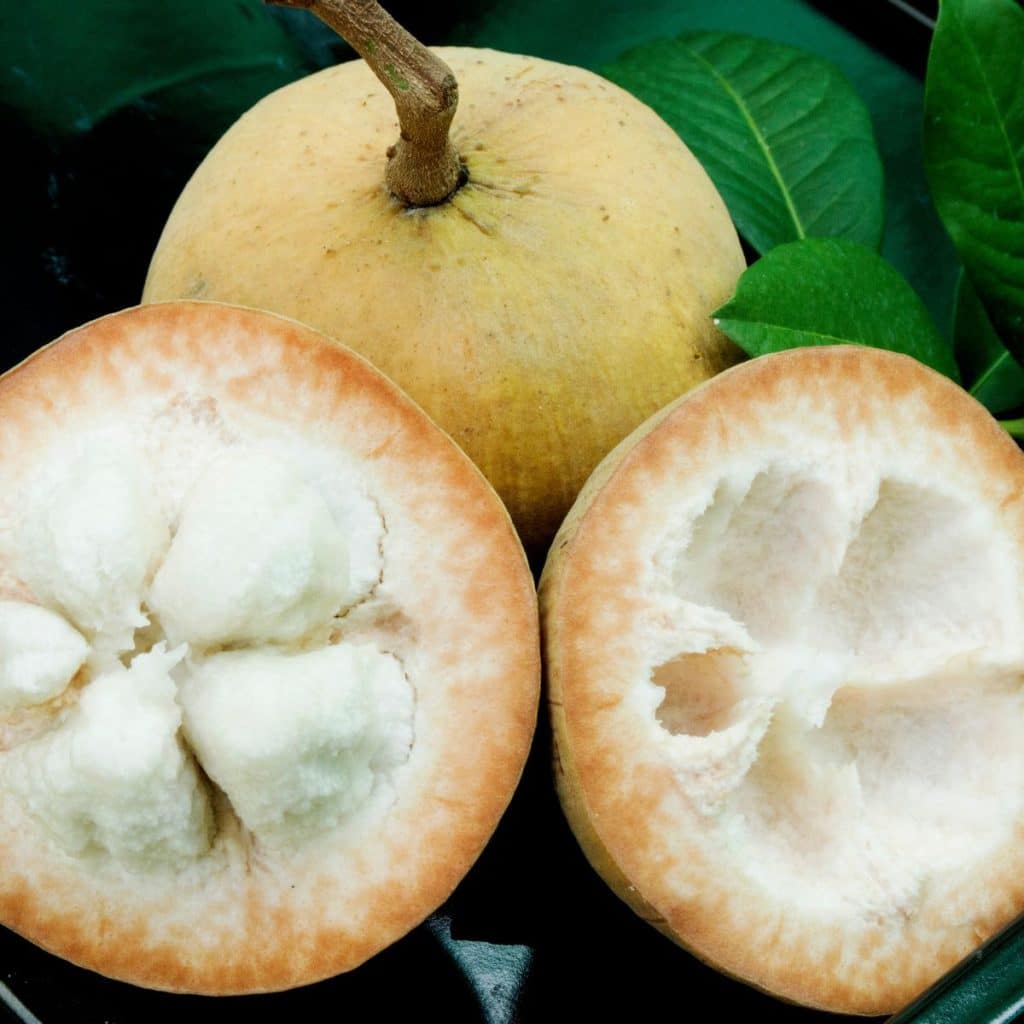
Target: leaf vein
{"points": [[759, 138], [990, 372], [999, 119]]}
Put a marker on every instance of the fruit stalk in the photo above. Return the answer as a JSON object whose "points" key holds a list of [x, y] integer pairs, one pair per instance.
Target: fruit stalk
{"points": [[423, 167]]}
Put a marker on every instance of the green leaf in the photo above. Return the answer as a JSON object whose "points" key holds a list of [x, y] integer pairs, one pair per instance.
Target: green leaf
{"points": [[783, 136], [831, 292], [996, 379], [68, 67], [974, 149], [593, 33]]}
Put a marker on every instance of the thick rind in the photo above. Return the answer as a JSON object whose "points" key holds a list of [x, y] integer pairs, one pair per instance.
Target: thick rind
{"points": [[239, 921], [624, 807]]}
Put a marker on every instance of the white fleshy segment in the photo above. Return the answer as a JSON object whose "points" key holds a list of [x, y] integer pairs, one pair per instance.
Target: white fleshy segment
{"points": [[804, 678], [355, 512], [114, 778], [298, 741], [39, 654], [711, 767], [257, 557], [681, 627], [91, 537]]}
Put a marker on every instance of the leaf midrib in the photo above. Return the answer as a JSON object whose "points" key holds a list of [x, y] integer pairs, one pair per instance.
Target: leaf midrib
{"points": [[722, 320], [980, 67], [990, 372], [759, 138]]}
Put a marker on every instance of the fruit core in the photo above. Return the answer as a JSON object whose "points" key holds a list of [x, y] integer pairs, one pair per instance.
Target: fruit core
{"points": [[835, 678], [174, 641]]}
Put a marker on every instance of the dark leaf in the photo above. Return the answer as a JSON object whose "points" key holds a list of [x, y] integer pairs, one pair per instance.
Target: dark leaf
{"points": [[974, 149], [994, 377], [781, 133], [830, 292], [66, 68]]}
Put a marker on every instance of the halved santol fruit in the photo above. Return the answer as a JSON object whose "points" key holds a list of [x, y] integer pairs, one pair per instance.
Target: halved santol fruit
{"points": [[268, 653], [540, 282], [783, 635]]}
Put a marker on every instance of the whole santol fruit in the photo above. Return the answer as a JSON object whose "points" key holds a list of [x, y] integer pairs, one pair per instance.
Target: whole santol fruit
{"points": [[783, 636], [540, 283], [252, 602]]}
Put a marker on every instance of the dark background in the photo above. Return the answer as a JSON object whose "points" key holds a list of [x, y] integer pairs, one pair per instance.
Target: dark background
{"points": [[532, 932]]}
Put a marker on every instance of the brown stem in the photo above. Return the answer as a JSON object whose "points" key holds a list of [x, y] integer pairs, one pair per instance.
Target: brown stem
{"points": [[423, 167]]}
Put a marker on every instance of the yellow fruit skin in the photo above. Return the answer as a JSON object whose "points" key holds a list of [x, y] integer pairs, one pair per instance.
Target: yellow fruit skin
{"points": [[558, 299]]}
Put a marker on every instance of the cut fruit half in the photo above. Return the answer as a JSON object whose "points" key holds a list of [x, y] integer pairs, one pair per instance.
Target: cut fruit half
{"points": [[268, 653], [784, 643]]}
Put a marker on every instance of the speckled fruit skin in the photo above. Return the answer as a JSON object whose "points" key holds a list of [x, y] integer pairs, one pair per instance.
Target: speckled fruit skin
{"points": [[552, 304]]}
